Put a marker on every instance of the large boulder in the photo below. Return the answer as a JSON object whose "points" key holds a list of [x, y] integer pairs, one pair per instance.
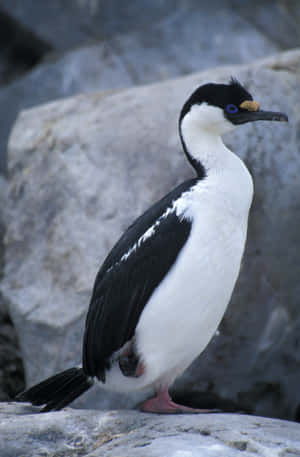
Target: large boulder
{"points": [[175, 45], [83, 168], [132, 434]]}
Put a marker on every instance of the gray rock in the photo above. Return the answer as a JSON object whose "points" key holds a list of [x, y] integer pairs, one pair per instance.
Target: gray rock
{"points": [[11, 366], [83, 168], [3, 199], [65, 24], [177, 44], [277, 20], [131, 434]]}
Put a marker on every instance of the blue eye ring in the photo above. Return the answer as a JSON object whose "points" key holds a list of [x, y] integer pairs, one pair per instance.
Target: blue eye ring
{"points": [[231, 109]]}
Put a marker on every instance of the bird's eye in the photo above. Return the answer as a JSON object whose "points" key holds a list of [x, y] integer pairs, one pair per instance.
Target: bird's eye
{"points": [[231, 108]]}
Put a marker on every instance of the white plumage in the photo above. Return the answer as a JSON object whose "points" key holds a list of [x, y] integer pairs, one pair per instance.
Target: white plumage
{"points": [[185, 310]]}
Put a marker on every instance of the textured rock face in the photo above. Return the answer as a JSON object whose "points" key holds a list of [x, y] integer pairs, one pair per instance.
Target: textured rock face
{"points": [[128, 43], [11, 369], [128, 56], [131, 434], [90, 19], [82, 169], [94, 19]]}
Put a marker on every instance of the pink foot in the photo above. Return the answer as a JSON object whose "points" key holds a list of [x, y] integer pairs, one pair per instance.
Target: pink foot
{"points": [[163, 404]]}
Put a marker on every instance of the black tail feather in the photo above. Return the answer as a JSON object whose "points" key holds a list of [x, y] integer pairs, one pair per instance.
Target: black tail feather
{"points": [[58, 391]]}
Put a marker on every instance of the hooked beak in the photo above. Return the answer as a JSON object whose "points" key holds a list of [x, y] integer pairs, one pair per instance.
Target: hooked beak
{"points": [[250, 116]]}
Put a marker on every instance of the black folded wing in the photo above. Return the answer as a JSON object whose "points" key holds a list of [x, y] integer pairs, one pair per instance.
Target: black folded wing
{"points": [[131, 272]]}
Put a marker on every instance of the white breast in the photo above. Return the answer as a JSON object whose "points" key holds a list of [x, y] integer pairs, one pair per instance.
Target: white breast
{"points": [[185, 310]]}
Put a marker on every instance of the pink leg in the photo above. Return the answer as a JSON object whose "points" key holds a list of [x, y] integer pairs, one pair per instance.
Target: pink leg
{"points": [[163, 404]]}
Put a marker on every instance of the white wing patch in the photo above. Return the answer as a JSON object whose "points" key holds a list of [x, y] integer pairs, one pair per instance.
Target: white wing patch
{"points": [[179, 206], [150, 232]]}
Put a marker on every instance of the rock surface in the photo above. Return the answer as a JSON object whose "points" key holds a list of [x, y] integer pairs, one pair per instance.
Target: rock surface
{"points": [[90, 19], [11, 366], [83, 168], [123, 44], [176, 44], [127, 433], [95, 19]]}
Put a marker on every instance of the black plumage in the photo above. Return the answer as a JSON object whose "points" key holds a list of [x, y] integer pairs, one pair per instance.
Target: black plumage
{"points": [[57, 391], [123, 287], [121, 290]]}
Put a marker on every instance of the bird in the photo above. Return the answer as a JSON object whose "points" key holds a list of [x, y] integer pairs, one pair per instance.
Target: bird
{"points": [[162, 290]]}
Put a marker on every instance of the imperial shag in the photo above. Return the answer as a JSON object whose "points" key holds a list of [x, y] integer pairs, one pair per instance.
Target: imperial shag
{"points": [[163, 289]]}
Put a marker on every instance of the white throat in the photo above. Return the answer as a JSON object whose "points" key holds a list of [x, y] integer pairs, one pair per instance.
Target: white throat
{"points": [[201, 130]]}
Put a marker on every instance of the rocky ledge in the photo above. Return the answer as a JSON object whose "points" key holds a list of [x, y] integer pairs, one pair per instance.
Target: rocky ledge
{"points": [[128, 433]]}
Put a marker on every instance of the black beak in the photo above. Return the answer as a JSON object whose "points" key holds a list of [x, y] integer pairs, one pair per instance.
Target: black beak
{"points": [[242, 117]]}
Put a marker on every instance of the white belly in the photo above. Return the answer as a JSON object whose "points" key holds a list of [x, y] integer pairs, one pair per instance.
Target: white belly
{"points": [[185, 310]]}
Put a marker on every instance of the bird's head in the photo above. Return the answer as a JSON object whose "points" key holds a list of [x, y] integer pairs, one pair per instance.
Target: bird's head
{"points": [[220, 107]]}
